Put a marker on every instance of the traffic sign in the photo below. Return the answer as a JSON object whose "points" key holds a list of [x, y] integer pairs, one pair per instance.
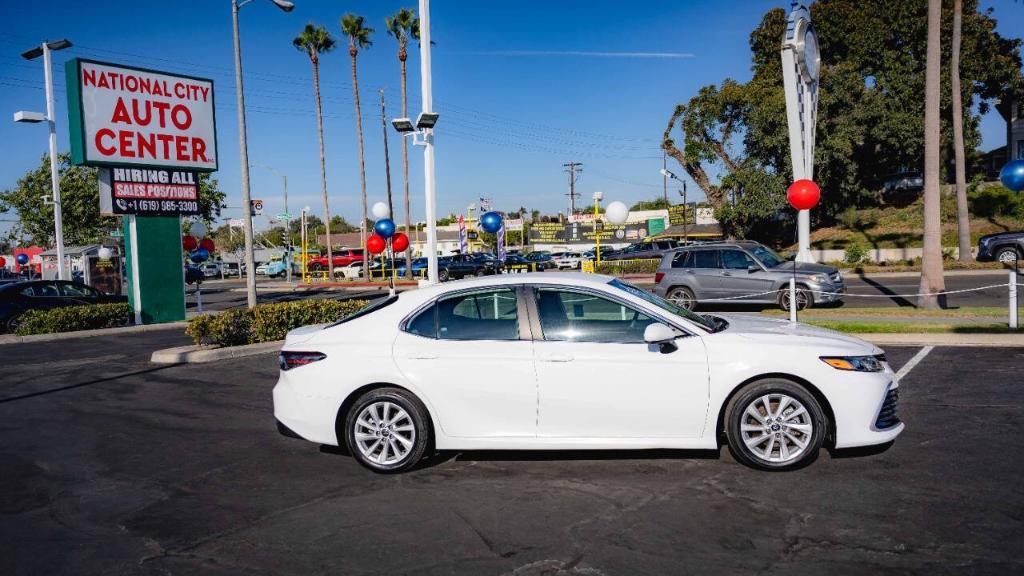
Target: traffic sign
{"points": [[256, 207], [285, 216]]}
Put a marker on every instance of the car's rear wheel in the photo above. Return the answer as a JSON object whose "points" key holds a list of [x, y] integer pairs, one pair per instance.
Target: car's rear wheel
{"points": [[1007, 255], [682, 297], [803, 298], [775, 424], [386, 430], [316, 267], [442, 275], [12, 324]]}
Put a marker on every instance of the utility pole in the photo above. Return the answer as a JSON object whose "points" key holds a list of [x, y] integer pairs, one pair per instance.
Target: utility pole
{"points": [[572, 168]]}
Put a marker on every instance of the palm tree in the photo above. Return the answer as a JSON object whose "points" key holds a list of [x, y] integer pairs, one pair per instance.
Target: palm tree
{"points": [[314, 41], [358, 37], [932, 280], [402, 26], [963, 218]]}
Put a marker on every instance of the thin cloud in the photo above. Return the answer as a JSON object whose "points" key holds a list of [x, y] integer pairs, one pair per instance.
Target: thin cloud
{"points": [[590, 54]]}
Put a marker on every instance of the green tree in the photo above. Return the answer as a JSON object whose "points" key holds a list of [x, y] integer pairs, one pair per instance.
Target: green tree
{"points": [[655, 204], [358, 37], [80, 203], [403, 25], [314, 41], [870, 109]]}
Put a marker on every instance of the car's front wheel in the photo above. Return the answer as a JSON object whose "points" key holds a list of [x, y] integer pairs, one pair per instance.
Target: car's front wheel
{"points": [[775, 424], [1006, 255], [386, 430], [803, 298]]}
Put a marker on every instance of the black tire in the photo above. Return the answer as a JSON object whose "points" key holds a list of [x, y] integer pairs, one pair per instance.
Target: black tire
{"points": [[11, 326], [443, 275], [772, 389], [681, 295], [480, 272], [316, 267], [416, 412], [1007, 252], [804, 299]]}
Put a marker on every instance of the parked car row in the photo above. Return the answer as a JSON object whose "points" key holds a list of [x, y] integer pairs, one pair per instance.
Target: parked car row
{"points": [[18, 297]]}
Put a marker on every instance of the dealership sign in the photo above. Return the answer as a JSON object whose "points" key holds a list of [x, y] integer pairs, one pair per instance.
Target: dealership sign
{"points": [[125, 116], [148, 192]]}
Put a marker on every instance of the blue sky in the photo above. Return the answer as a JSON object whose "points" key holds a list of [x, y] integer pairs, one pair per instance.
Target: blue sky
{"points": [[522, 87]]}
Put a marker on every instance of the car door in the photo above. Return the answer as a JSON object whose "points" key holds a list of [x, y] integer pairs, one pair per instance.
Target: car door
{"points": [[597, 378], [742, 275], [471, 357], [706, 274], [42, 296]]}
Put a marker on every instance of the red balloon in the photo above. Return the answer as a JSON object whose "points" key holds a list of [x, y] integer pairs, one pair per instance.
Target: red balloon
{"points": [[207, 243], [803, 194], [375, 244], [399, 242], [189, 243], [3, 262]]}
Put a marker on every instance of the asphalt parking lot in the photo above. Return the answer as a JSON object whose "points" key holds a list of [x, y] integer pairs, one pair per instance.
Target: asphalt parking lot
{"points": [[112, 465]]}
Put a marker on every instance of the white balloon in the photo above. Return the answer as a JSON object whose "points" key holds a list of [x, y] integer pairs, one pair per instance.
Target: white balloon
{"points": [[616, 212], [105, 253], [198, 229], [380, 211]]}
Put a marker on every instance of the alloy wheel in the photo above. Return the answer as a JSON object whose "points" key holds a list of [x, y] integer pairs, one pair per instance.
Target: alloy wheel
{"points": [[776, 428], [1007, 256], [802, 299], [683, 298], [384, 432]]}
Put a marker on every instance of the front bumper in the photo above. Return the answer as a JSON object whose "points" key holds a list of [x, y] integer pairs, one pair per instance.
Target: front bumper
{"points": [[827, 292], [866, 409]]}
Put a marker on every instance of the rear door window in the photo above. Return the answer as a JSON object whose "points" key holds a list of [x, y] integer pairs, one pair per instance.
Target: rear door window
{"points": [[488, 315], [683, 260], [705, 259]]}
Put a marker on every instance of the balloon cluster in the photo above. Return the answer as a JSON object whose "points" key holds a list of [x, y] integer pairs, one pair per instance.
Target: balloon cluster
{"points": [[198, 250], [384, 230]]}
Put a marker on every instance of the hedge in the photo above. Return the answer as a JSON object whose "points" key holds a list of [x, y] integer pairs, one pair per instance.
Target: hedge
{"points": [[267, 322], [618, 267], [72, 318]]}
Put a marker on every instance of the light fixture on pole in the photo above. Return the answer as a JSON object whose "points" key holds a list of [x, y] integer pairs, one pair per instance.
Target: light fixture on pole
{"points": [[598, 196], [430, 194], [250, 279], [682, 192], [287, 217], [44, 50]]}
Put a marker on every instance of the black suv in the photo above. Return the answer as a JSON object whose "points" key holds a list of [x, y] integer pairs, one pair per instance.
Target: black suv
{"points": [[463, 265], [1005, 247]]}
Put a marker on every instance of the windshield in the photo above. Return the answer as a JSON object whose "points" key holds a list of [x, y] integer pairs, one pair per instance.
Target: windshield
{"points": [[703, 321], [767, 256]]}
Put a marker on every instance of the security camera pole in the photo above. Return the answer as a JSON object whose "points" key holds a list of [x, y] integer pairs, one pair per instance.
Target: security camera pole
{"points": [[800, 65], [58, 221]]}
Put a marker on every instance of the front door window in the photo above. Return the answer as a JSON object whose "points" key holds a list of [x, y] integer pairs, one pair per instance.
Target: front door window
{"points": [[582, 317]]}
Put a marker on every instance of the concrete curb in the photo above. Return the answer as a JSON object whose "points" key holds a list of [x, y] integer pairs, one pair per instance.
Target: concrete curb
{"points": [[198, 354], [986, 340], [13, 339]]}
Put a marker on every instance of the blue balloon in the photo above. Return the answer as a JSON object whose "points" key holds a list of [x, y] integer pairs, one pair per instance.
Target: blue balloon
{"points": [[1012, 175], [491, 222], [199, 255], [22, 258], [385, 227]]}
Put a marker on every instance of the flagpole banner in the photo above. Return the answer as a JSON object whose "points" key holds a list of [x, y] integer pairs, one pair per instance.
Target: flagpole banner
{"points": [[501, 242], [463, 241]]}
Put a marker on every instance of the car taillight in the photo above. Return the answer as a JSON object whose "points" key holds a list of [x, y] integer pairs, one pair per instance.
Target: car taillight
{"points": [[658, 276], [289, 359]]}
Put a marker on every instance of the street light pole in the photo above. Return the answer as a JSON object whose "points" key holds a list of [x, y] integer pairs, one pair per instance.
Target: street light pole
{"points": [[58, 218], [51, 121], [250, 263], [243, 155], [428, 137], [287, 224]]}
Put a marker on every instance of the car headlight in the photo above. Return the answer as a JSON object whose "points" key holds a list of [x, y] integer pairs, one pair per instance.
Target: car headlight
{"points": [[854, 363], [820, 278]]}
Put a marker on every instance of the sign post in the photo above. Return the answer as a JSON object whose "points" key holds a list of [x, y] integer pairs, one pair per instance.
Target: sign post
{"points": [[150, 133], [800, 64]]}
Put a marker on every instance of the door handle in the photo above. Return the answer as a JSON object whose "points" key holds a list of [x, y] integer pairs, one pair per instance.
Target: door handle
{"points": [[556, 358], [726, 273], [423, 356]]}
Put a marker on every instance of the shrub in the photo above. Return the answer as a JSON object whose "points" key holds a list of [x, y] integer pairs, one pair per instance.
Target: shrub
{"points": [[856, 254], [267, 322], [619, 267], [72, 318]]}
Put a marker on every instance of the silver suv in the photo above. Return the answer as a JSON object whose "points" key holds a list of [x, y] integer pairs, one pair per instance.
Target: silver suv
{"points": [[731, 270]]}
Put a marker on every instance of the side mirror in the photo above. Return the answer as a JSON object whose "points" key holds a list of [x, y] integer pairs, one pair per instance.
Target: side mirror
{"points": [[753, 268], [658, 333]]}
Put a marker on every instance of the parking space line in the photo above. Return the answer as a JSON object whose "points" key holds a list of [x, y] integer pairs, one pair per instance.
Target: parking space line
{"points": [[903, 371]]}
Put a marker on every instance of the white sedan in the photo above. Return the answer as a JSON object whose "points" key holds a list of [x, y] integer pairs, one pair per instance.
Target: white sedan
{"points": [[565, 361]]}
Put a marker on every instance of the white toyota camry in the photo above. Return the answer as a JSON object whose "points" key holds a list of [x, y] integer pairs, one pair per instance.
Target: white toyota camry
{"points": [[576, 361]]}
